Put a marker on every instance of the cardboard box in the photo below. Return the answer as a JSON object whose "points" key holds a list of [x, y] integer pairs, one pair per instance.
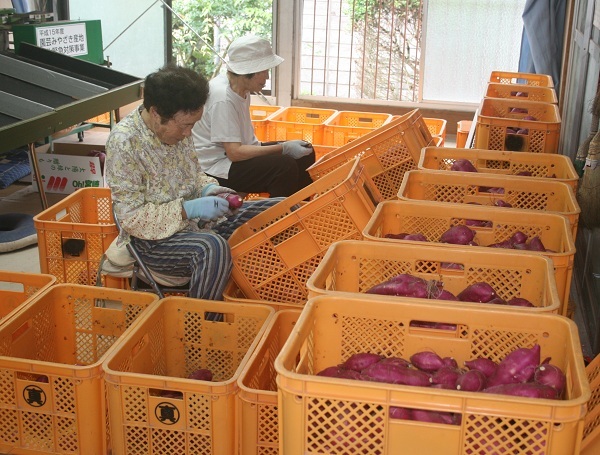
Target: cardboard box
{"points": [[64, 174]]}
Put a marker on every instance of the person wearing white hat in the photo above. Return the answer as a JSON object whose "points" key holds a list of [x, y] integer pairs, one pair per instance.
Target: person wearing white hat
{"points": [[224, 138]]}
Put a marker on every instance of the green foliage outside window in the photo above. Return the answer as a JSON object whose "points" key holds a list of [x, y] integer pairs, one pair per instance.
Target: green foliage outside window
{"points": [[217, 23]]}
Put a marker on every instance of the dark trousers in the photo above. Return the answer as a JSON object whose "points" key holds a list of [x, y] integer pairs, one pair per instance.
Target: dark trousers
{"points": [[278, 175]]}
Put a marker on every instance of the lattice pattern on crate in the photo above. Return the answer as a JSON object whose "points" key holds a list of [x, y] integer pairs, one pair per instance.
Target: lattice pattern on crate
{"points": [[488, 434], [38, 434], [382, 336], [375, 271], [592, 419], [268, 426], [496, 344], [334, 426], [9, 423]]}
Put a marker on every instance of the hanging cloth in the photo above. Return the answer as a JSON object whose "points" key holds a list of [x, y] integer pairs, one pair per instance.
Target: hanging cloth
{"points": [[542, 40]]}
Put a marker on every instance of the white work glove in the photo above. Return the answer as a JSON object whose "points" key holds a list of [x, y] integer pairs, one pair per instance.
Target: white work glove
{"points": [[297, 149], [214, 190], [206, 208]]}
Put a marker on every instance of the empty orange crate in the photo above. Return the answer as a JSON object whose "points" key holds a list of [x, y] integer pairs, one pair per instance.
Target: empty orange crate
{"points": [[540, 165], [74, 233], [463, 128], [591, 431], [258, 411], [432, 220], [499, 119], [437, 128], [346, 126], [544, 195], [521, 92], [51, 353], [153, 407], [260, 117], [512, 77], [343, 416], [298, 123], [387, 153], [353, 266], [275, 252], [17, 288]]}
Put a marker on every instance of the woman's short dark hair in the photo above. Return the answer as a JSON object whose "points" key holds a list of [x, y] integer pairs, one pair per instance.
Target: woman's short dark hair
{"points": [[174, 88]]}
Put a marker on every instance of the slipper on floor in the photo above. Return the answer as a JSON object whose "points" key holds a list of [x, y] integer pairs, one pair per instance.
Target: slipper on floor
{"points": [[16, 231]]}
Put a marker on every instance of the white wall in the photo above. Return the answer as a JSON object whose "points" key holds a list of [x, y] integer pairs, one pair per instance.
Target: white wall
{"points": [[141, 49]]}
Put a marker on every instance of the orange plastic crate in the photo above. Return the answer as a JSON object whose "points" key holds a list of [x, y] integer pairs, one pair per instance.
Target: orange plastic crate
{"points": [[232, 293], [463, 127], [259, 115], [322, 150], [540, 165], [18, 288], [432, 220], [387, 153], [298, 123], [512, 77], [353, 266], [258, 411], [275, 252], [544, 195], [497, 117], [521, 92], [591, 431], [51, 353], [344, 416], [437, 128], [153, 407], [74, 233], [346, 126]]}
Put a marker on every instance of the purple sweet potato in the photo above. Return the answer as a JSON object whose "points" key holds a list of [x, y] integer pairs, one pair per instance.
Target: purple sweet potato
{"points": [[504, 244], [479, 223], [330, 372], [477, 292], [445, 376], [535, 244], [399, 236], [398, 361], [551, 375], [393, 374], [458, 235], [518, 365], [201, 374], [416, 237], [524, 173], [471, 381], [452, 266], [520, 301], [360, 361], [424, 415], [502, 203], [518, 237], [397, 412], [527, 390], [463, 165], [450, 362], [427, 361], [349, 374], [486, 366]]}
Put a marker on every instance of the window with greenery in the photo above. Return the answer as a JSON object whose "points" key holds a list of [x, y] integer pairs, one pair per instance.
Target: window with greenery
{"points": [[210, 26]]}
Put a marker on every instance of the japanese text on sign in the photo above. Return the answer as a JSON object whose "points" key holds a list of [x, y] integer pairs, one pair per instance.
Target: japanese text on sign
{"points": [[68, 39]]}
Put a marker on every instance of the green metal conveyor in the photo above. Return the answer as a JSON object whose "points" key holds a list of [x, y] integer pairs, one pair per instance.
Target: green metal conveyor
{"points": [[43, 92]]}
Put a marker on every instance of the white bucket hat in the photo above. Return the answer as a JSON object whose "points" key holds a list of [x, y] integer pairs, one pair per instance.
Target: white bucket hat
{"points": [[251, 54]]}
